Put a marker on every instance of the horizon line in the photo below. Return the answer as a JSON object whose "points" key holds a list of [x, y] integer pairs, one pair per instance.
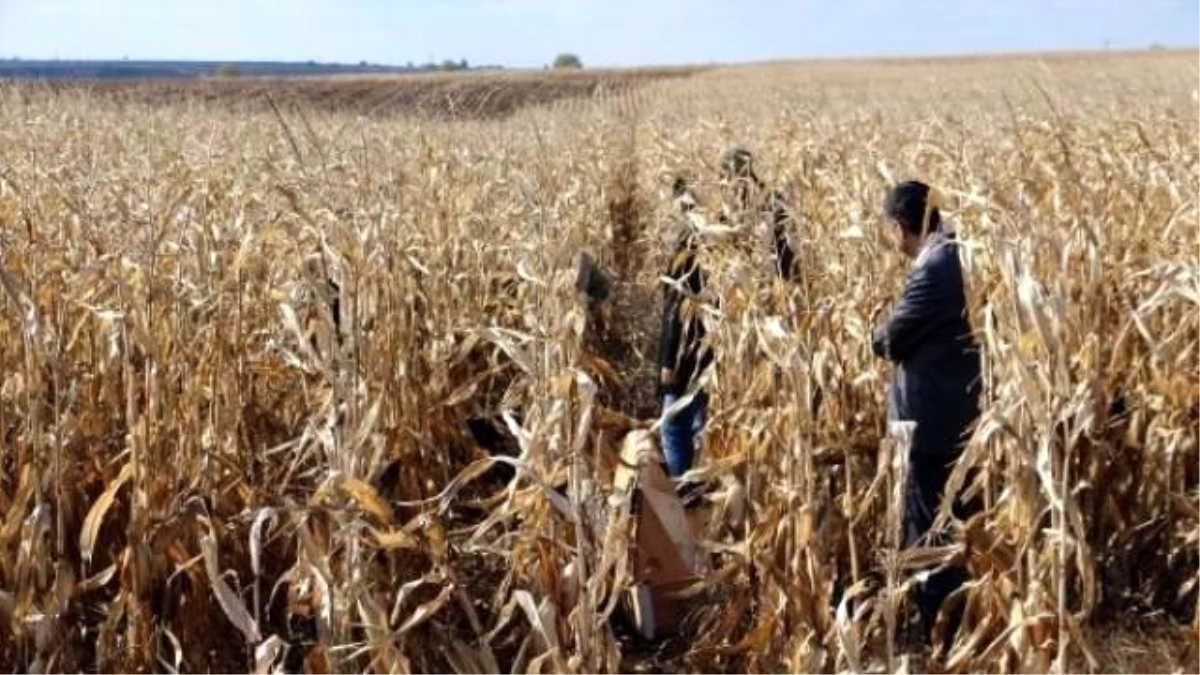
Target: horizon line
{"points": [[882, 56]]}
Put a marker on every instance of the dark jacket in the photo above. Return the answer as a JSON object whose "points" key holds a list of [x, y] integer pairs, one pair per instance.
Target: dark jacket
{"points": [[776, 210], [681, 343], [936, 382], [785, 257]]}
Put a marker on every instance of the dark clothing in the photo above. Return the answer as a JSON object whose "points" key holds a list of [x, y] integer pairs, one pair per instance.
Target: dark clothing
{"points": [[936, 384], [335, 307], [591, 280], [333, 297], [785, 257], [776, 210], [936, 381], [681, 343], [923, 494]]}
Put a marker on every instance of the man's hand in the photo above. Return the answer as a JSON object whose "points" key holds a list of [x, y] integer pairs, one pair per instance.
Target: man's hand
{"points": [[877, 311], [879, 343], [667, 377], [876, 322]]}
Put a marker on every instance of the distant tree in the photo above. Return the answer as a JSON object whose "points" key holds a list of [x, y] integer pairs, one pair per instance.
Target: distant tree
{"points": [[1157, 47], [362, 64], [463, 65], [409, 66], [228, 71], [567, 61]]}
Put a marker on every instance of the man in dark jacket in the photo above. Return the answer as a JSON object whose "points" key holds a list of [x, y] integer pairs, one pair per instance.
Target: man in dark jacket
{"points": [[682, 352], [750, 196], [936, 379]]}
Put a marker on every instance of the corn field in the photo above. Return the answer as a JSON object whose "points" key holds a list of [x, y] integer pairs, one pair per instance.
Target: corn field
{"points": [[200, 469]]}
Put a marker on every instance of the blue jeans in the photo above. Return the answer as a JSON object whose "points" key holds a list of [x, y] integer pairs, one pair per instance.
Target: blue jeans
{"points": [[681, 432]]}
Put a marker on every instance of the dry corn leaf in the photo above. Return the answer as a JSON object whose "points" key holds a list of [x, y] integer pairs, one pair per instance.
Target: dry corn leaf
{"points": [[393, 540], [267, 655], [427, 610], [366, 497], [231, 604], [95, 516], [98, 580], [265, 516]]}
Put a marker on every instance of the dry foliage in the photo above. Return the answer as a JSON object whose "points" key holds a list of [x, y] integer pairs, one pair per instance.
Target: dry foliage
{"points": [[198, 472]]}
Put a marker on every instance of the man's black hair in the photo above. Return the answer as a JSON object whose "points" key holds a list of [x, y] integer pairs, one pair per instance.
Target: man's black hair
{"points": [[680, 187], [739, 163], [907, 203]]}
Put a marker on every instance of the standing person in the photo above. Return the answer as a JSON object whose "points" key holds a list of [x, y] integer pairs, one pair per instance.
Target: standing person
{"points": [[750, 196], [936, 379], [682, 352]]}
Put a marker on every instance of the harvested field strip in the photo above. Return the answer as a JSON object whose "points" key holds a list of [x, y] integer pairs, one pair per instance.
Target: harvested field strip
{"points": [[436, 96]]}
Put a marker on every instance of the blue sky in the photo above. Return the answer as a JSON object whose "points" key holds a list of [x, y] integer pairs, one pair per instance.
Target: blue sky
{"points": [[603, 32]]}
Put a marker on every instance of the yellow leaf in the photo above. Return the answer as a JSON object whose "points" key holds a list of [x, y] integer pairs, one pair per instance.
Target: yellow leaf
{"points": [[760, 637], [367, 498], [95, 516], [395, 539], [98, 580]]}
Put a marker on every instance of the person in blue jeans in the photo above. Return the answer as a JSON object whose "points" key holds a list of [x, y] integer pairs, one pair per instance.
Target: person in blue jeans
{"points": [[681, 432], [682, 354]]}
